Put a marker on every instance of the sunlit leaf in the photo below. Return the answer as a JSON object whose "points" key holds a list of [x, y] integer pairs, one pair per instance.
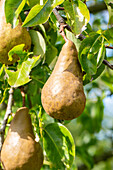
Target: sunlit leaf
{"points": [[108, 35], [2, 72], [89, 52], [32, 3], [59, 142], [77, 14], [21, 6], [10, 8], [21, 76], [72, 37], [18, 49], [40, 13], [4, 95], [101, 55]]}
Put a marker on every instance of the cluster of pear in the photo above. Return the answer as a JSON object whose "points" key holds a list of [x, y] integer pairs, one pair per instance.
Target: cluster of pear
{"points": [[20, 150], [11, 37], [62, 98], [63, 95]]}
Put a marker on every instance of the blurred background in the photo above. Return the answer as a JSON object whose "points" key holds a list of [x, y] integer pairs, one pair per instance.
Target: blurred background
{"points": [[93, 130]]}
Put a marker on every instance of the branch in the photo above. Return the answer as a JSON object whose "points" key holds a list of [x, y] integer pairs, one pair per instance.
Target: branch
{"points": [[97, 159], [59, 8], [108, 64], [58, 17], [61, 20], [8, 112], [106, 46]]}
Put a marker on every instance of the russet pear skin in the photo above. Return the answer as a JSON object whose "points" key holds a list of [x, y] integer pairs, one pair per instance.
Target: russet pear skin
{"points": [[11, 37], [63, 95], [20, 151]]}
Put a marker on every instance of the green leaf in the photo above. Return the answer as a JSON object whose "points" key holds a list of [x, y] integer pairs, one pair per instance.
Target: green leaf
{"points": [[20, 8], [21, 76], [88, 29], [59, 145], [108, 35], [40, 13], [10, 8], [99, 71], [4, 95], [22, 54], [39, 45], [51, 54], [18, 49], [52, 32], [54, 21], [72, 37], [32, 3], [77, 14], [2, 72], [87, 79], [101, 55], [89, 52], [109, 4]]}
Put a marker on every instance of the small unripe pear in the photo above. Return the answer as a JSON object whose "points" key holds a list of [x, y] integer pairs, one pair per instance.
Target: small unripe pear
{"points": [[63, 95], [20, 150]]}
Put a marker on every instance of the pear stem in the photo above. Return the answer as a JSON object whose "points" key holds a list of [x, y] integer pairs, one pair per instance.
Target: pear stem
{"points": [[62, 32], [8, 112], [63, 25]]}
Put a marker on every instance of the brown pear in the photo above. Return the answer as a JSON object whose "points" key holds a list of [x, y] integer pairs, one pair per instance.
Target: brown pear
{"points": [[20, 150], [63, 95], [11, 37]]}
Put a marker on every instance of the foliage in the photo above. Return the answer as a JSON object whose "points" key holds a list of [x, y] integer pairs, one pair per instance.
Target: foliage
{"points": [[90, 130]]}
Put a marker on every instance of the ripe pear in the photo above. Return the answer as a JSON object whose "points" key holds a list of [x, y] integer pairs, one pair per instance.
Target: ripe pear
{"points": [[20, 150], [63, 95], [11, 37]]}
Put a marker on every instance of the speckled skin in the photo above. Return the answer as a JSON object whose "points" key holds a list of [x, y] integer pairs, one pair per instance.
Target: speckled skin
{"points": [[63, 95], [11, 37], [20, 151]]}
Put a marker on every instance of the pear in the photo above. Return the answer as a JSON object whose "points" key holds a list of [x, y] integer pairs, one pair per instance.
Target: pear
{"points": [[20, 150], [11, 37], [63, 95]]}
